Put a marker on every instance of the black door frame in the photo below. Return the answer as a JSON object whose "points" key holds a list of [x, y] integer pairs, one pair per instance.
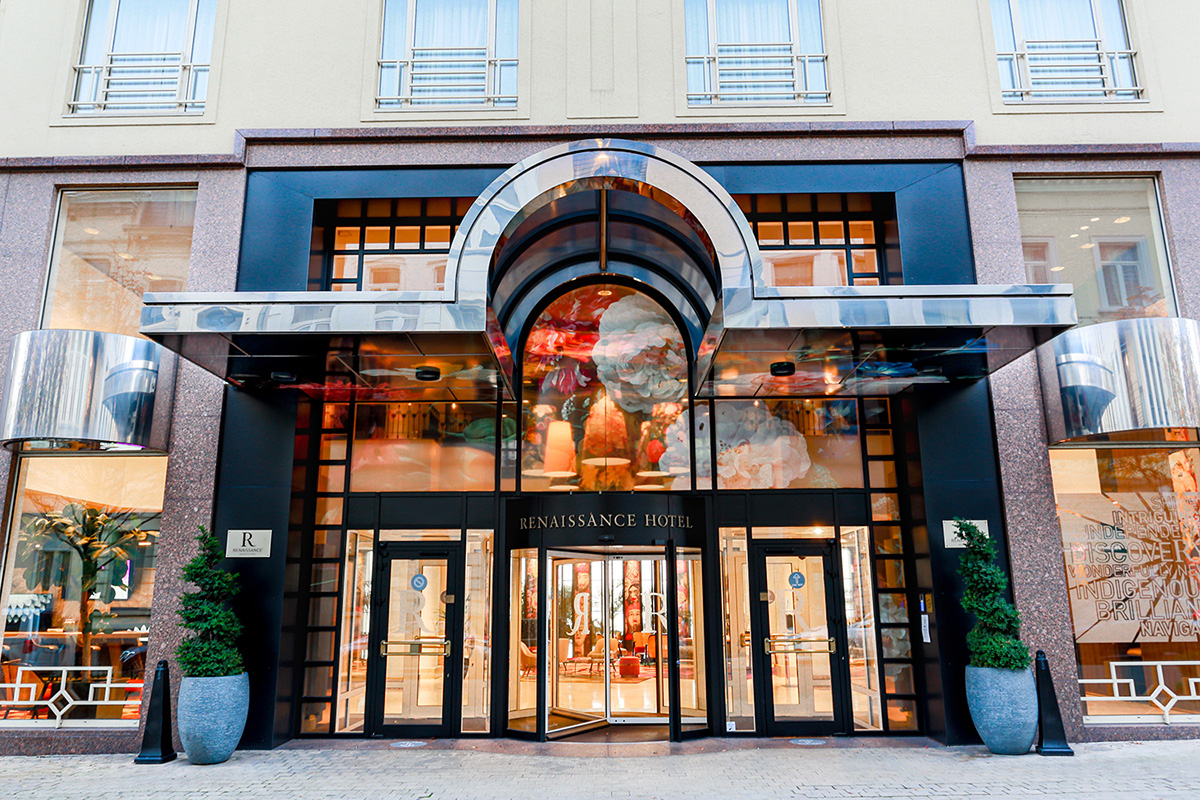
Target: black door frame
{"points": [[451, 724], [765, 723]]}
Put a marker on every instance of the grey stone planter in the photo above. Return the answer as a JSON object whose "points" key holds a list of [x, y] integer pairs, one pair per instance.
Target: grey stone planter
{"points": [[212, 716], [1003, 705]]}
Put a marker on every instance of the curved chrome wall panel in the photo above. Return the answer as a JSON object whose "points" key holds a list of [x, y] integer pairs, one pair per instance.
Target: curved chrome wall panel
{"points": [[85, 386], [1127, 375]]}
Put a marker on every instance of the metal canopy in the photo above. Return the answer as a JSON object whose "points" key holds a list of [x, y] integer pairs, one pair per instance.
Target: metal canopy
{"points": [[874, 340], [335, 344], [869, 340]]}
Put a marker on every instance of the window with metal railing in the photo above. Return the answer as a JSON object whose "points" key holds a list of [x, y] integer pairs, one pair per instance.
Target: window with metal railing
{"points": [[449, 54], [755, 52], [1064, 51], [144, 57]]}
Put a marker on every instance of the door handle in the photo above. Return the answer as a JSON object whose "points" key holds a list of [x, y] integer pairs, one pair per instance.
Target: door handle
{"points": [[417, 647], [780, 644]]}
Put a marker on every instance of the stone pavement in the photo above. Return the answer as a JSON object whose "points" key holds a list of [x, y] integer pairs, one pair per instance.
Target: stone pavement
{"points": [[714, 768]]}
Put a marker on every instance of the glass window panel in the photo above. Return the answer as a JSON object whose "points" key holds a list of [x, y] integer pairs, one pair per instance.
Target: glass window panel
{"points": [[320, 645], [788, 444], [421, 535], [898, 679], [879, 443], [314, 717], [438, 207], [345, 267], [378, 238], [331, 478], [408, 237], [378, 207], [862, 232], [865, 261], [769, 203], [324, 577], [735, 584], [800, 232], [1130, 539], [604, 390], [792, 532], [902, 715], [799, 202], [356, 620], [885, 507], [896, 643], [891, 573], [346, 238], [1104, 237], [410, 273], [322, 611], [829, 202], [335, 416], [893, 607], [477, 634], [349, 208], [883, 474], [75, 622], [111, 246], [888, 540], [329, 510], [437, 236], [770, 233], [424, 447], [804, 267], [318, 681], [859, 203], [522, 637], [831, 232], [327, 544], [408, 207], [859, 593]]}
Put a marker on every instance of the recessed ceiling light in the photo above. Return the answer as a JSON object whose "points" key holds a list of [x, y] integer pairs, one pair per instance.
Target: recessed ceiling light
{"points": [[604, 292], [125, 256], [1086, 246], [1122, 220], [1084, 227], [1094, 219], [92, 231], [1074, 235], [1057, 269]]}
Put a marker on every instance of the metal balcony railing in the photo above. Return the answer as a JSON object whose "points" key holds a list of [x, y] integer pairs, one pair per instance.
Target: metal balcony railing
{"points": [[1065, 70], [140, 82], [447, 76], [759, 73]]}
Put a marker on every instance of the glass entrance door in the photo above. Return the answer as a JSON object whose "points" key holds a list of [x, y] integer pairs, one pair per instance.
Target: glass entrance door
{"points": [[799, 633], [608, 641], [413, 641]]}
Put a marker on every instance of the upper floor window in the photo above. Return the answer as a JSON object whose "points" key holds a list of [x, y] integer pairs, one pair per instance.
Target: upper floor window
{"points": [[755, 52], [145, 56], [1104, 237], [448, 53], [1064, 51]]}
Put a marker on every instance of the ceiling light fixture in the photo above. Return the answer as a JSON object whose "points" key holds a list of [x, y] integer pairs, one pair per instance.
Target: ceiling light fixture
{"points": [[1122, 220], [428, 374], [1057, 269], [1094, 219], [92, 231], [1087, 246], [1074, 235], [783, 369]]}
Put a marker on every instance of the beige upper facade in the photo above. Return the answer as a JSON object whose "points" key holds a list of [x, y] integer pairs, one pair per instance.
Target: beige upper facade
{"points": [[308, 64]]}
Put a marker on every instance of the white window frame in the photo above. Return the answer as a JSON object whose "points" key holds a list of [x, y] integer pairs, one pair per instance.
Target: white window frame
{"points": [[1041, 269], [800, 94], [1100, 58], [123, 75], [1140, 267], [402, 98]]}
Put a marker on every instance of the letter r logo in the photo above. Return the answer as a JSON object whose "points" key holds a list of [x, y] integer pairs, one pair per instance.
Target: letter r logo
{"points": [[247, 538]]}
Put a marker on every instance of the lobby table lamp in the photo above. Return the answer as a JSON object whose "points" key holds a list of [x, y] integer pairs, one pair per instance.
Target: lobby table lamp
{"points": [[560, 451]]}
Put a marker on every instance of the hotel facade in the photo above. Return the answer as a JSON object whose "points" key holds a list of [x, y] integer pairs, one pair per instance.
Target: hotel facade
{"points": [[548, 368]]}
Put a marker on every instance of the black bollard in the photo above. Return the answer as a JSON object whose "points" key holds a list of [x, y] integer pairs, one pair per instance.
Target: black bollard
{"points": [[157, 747], [1052, 738]]}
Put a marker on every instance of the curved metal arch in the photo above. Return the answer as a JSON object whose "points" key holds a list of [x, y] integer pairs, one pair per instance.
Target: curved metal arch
{"points": [[471, 252]]}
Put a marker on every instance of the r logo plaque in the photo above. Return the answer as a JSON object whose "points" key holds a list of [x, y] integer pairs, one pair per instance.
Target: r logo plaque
{"points": [[248, 544]]}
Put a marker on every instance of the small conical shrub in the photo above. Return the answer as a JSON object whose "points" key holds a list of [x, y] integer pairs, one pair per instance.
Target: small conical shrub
{"points": [[993, 641], [210, 650]]}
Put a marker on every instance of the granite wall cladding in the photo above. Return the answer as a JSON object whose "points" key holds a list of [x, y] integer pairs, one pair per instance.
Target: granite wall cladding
{"points": [[26, 230], [1031, 520]]}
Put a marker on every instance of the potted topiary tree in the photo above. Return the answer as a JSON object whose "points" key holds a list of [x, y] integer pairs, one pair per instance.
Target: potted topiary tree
{"points": [[214, 695], [1001, 692]]}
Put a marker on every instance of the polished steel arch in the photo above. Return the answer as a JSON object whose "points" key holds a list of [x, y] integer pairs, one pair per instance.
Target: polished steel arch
{"points": [[574, 167]]}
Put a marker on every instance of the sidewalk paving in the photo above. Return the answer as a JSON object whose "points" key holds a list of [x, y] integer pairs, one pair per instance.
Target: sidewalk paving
{"points": [[495, 769]]}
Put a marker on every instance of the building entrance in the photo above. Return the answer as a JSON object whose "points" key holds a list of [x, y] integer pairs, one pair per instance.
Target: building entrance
{"points": [[413, 641], [799, 639]]}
